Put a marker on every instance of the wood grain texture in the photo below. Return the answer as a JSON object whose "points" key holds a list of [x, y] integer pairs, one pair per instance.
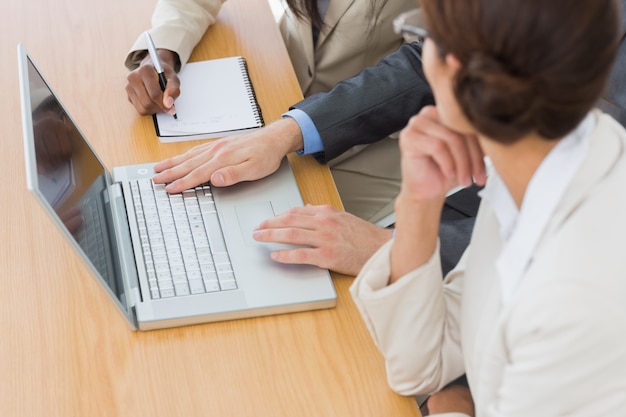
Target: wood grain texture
{"points": [[65, 350]]}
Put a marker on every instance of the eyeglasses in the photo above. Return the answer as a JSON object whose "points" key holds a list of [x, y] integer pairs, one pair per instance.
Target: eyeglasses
{"points": [[408, 25], [413, 33]]}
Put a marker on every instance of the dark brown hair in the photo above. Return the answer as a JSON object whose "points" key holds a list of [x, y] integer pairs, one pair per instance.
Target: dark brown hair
{"points": [[527, 65], [307, 10]]}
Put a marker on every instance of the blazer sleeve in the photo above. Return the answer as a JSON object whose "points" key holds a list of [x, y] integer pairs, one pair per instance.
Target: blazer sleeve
{"points": [[414, 322], [177, 25], [368, 107]]}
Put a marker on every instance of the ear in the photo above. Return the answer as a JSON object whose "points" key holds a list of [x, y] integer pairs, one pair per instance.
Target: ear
{"points": [[453, 62]]}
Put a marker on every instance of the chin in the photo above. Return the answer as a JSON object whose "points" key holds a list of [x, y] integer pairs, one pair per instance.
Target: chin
{"points": [[458, 123]]}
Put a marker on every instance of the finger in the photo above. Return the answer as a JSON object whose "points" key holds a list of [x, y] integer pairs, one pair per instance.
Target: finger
{"points": [[288, 235], [439, 152], [183, 178], [477, 158], [181, 165], [189, 172], [447, 148], [305, 217], [422, 137], [139, 97], [172, 91], [179, 159], [289, 219], [459, 150], [249, 170], [316, 257], [135, 101], [144, 91], [298, 256], [314, 210]]}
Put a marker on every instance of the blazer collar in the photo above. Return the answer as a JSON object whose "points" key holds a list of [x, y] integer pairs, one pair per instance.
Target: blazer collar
{"points": [[606, 148]]}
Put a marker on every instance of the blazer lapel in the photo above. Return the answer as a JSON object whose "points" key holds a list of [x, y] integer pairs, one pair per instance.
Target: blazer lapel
{"points": [[604, 152], [305, 32], [336, 9]]}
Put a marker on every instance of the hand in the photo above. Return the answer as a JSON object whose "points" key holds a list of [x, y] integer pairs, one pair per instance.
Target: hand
{"points": [[435, 159], [333, 239], [453, 398], [143, 87], [232, 159]]}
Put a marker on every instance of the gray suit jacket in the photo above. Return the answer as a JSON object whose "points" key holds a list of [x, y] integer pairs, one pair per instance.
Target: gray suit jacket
{"points": [[381, 99], [370, 106]]}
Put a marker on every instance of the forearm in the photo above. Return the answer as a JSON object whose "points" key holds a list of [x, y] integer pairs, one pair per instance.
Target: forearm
{"points": [[417, 229], [368, 107], [411, 323], [177, 25]]}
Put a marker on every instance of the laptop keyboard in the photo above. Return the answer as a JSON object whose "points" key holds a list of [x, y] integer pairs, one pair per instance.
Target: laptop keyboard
{"points": [[181, 240], [91, 237]]}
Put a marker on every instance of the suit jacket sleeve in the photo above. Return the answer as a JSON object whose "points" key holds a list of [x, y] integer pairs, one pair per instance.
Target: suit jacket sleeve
{"points": [[177, 25], [368, 107]]}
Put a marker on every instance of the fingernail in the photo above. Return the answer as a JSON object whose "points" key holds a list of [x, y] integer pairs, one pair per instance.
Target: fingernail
{"points": [[217, 179], [169, 102]]}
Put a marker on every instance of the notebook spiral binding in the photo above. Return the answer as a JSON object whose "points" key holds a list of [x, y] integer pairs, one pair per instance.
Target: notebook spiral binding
{"points": [[250, 89]]}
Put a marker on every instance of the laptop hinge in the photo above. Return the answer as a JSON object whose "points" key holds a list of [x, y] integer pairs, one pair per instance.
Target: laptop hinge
{"points": [[124, 249]]}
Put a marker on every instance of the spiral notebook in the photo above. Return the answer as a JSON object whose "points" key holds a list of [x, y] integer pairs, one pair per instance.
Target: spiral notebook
{"points": [[217, 99]]}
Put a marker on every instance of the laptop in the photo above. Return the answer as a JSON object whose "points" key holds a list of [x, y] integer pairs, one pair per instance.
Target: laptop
{"points": [[164, 260]]}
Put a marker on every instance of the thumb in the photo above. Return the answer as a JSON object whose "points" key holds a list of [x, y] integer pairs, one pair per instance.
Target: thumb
{"points": [[168, 102], [171, 92]]}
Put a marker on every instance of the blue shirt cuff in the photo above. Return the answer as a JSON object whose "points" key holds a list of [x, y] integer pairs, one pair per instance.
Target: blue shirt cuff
{"points": [[310, 136]]}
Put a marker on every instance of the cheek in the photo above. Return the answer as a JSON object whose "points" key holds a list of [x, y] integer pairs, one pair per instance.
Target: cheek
{"points": [[441, 78], [430, 62], [438, 75]]}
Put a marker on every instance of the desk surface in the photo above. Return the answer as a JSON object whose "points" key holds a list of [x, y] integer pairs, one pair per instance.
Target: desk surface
{"points": [[64, 350]]}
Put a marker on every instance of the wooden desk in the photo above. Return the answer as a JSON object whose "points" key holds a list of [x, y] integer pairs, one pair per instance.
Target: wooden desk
{"points": [[64, 350]]}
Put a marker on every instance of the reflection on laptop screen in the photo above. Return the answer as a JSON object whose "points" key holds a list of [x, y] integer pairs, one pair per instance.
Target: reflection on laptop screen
{"points": [[71, 178]]}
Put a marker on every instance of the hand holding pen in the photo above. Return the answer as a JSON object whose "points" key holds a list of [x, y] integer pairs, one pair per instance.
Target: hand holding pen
{"points": [[156, 61], [150, 94]]}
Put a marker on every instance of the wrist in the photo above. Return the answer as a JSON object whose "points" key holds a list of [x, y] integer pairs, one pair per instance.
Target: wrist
{"points": [[166, 57], [416, 232], [289, 133], [170, 58], [405, 202]]}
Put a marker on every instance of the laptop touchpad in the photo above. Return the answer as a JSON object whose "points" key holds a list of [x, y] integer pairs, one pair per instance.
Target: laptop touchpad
{"points": [[250, 216]]}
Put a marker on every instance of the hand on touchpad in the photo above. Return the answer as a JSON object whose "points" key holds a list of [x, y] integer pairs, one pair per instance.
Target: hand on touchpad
{"points": [[250, 216]]}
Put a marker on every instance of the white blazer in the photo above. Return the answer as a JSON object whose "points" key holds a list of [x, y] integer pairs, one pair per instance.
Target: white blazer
{"points": [[177, 25], [343, 48], [558, 347]]}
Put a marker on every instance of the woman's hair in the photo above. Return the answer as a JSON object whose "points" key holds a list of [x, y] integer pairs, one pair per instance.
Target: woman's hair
{"points": [[307, 10], [526, 65]]}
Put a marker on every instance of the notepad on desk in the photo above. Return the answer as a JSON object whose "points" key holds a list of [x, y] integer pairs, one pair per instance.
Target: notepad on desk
{"points": [[217, 99]]}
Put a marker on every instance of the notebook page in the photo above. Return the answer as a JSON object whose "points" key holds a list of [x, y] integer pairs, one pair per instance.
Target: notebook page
{"points": [[215, 98]]}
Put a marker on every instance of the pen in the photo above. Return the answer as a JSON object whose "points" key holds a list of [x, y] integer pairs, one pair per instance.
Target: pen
{"points": [[157, 63]]}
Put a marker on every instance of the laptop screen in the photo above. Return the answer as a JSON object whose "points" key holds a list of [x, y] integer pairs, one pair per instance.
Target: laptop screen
{"points": [[64, 172]]}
